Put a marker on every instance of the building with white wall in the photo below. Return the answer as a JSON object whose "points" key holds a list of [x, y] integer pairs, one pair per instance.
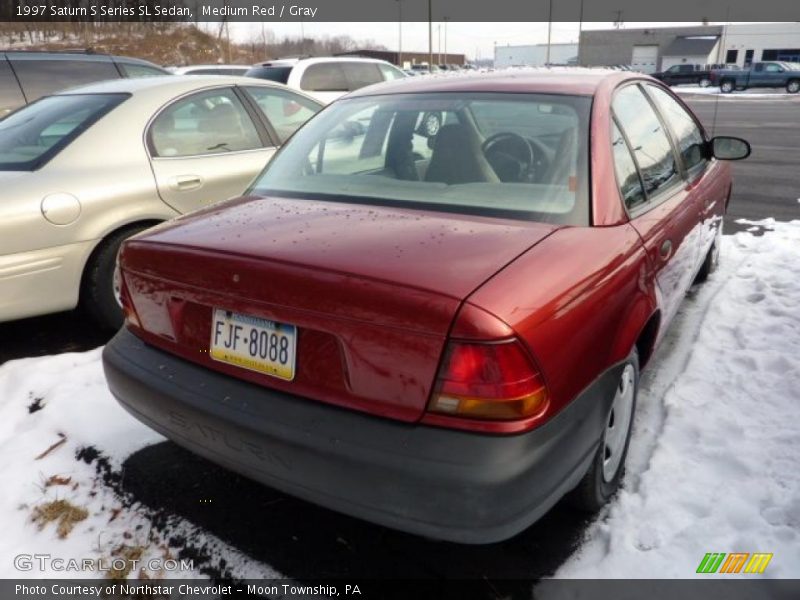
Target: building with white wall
{"points": [[534, 55], [658, 48], [745, 43]]}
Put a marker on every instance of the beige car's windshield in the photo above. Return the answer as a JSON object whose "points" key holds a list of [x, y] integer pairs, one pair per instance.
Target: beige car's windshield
{"points": [[512, 155], [34, 134]]}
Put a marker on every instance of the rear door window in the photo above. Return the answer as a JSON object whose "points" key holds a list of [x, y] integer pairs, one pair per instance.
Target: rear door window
{"points": [[649, 141], [630, 185], [324, 77], [42, 77], [211, 122], [35, 134], [10, 95]]}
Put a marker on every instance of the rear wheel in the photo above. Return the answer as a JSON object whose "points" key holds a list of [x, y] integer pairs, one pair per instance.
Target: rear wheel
{"points": [[608, 466], [705, 82], [793, 86], [727, 86], [99, 291]]}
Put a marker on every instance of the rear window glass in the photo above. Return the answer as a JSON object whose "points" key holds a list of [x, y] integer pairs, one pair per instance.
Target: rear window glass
{"points": [[35, 134], [278, 74], [361, 74], [507, 155], [324, 77], [44, 77]]}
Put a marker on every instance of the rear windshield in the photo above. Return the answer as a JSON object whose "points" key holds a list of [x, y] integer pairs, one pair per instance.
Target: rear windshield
{"points": [[36, 133], [519, 156], [278, 74]]}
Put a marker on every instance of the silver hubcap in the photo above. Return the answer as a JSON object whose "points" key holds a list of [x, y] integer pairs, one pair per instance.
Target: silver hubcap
{"points": [[619, 421], [727, 87], [705, 83], [794, 86]]}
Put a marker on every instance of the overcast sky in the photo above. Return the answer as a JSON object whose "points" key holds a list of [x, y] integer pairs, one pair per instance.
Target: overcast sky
{"points": [[476, 40]]}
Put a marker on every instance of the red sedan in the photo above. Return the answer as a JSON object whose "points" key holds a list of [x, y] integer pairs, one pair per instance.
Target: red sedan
{"points": [[431, 308]]}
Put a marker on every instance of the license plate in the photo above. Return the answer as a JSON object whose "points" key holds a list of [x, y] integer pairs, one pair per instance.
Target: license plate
{"points": [[253, 343]]}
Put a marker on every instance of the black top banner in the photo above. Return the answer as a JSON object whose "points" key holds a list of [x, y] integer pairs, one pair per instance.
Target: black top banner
{"points": [[395, 10]]}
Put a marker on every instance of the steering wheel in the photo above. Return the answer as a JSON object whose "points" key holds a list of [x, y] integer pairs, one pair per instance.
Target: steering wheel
{"points": [[515, 158]]}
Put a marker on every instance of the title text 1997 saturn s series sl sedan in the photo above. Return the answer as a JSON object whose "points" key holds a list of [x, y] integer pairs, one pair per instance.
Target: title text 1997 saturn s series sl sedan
{"points": [[438, 329]]}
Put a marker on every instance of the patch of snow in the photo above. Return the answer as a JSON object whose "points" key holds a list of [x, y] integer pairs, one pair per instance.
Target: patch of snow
{"points": [[42, 402], [714, 462]]}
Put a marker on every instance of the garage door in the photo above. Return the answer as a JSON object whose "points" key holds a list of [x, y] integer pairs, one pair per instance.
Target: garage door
{"points": [[645, 59]]}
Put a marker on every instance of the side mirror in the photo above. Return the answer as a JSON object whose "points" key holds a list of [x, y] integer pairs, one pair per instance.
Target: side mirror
{"points": [[729, 148]]}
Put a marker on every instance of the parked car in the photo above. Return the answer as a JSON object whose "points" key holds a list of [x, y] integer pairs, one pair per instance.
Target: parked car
{"points": [[680, 74], [326, 78], [441, 333], [759, 75], [27, 76], [84, 169], [239, 70]]}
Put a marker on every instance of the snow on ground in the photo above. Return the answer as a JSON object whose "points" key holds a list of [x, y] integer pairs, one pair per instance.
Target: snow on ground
{"points": [[749, 94], [714, 463], [61, 404]]}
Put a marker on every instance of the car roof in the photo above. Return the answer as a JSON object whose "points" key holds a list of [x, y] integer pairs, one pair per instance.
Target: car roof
{"points": [[287, 62], [208, 66], [565, 80], [73, 55], [171, 84]]}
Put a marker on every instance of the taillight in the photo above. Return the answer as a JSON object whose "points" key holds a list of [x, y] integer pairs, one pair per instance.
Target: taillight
{"points": [[494, 381], [124, 298]]}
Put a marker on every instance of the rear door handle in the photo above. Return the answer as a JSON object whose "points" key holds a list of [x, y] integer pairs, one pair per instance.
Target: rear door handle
{"points": [[185, 183], [666, 249]]}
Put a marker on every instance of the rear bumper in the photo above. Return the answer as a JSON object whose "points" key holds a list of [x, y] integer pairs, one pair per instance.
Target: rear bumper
{"points": [[446, 484]]}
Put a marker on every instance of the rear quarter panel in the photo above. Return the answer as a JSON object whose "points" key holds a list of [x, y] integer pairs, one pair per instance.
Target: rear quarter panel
{"points": [[579, 300]]}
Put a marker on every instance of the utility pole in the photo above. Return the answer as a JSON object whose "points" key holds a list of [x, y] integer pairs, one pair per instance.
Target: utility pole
{"points": [[400, 33], [430, 36], [580, 27], [549, 31], [446, 56], [439, 35]]}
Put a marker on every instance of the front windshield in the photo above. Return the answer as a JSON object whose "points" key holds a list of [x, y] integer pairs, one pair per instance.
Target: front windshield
{"points": [[507, 155], [34, 134]]}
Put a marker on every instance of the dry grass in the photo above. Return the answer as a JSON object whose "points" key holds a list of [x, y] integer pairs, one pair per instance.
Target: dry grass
{"points": [[130, 554], [63, 513]]}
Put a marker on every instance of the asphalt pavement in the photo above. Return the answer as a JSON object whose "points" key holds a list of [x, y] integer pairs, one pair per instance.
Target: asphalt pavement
{"points": [[767, 184], [301, 540]]}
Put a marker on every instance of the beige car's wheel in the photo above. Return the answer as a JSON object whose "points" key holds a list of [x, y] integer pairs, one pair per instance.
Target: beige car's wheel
{"points": [[99, 289]]}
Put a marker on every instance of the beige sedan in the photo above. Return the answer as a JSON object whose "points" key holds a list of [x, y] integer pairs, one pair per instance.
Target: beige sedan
{"points": [[82, 170]]}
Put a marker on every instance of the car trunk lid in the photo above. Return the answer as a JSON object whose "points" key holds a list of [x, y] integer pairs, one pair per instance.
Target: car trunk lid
{"points": [[372, 290]]}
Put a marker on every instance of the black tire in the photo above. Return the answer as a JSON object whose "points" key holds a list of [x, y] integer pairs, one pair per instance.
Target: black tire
{"points": [[793, 86], [97, 288], [727, 86], [596, 489]]}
